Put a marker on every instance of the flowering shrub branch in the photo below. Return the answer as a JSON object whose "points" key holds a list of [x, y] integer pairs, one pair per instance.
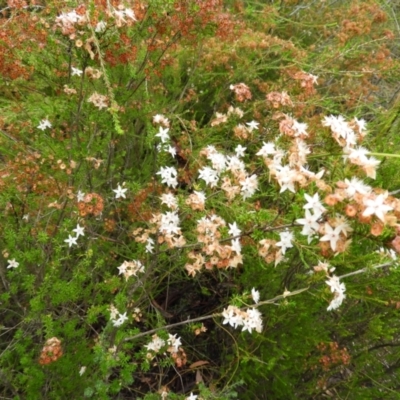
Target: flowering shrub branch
{"points": [[161, 161]]}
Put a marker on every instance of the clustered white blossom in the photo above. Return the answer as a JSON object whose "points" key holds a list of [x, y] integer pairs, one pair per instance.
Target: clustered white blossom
{"points": [[130, 268], [387, 253], [158, 344], [248, 320], [243, 182], [295, 172], [196, 200], [169, 176], [117, 319], [337, 288], [44, 124], [218, 254], [69, 22], [99, 100], [361, 200], [123, 16], [72, 240], [163, 135]]}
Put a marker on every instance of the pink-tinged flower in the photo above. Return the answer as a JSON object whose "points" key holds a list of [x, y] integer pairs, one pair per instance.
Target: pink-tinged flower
{"points": [[169, 200], [331, 235]]}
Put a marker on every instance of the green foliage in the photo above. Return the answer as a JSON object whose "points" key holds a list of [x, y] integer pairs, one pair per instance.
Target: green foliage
{"points": [[131, 307]]}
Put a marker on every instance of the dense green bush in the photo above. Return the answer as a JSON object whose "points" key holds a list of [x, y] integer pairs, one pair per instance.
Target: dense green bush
{"points": [[173, 170]]}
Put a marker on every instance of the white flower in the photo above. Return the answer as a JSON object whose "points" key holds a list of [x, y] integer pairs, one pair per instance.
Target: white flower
{"points": [[356, 186], [249, 186], [71, 240], [79, 230], [311, 226], [100, 27], [252, 125], [161, 119], [171, 150], [80, 196], [255, 294], [234, 230], [82, 370], [129, 268], [169, 200], [286, 241], [236, 246], [156, 344], [130, 14], [12, 264], [174, 342], [218, 160], [168, 176], [232, 316], [299, 128], [314, 204], [362, 125], [44, 123], [76, 71], [252, 321], [331, 235], [191, 397], [338, 126], [240, 151], [200, 197], [170, 223], [163, 134], [209, 175], [120, 320], [149, 245], [376, 206], [267, 149], [236, 166], [119, 192], [286, 178], [338, 288]]}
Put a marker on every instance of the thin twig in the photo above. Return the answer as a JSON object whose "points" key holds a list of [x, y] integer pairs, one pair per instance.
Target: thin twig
{"points": [[261, 303], [190, 321]]}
